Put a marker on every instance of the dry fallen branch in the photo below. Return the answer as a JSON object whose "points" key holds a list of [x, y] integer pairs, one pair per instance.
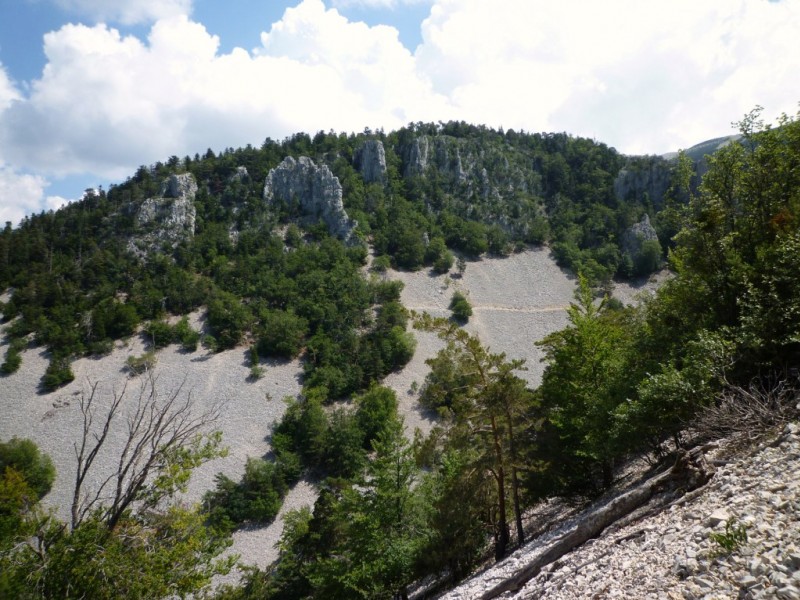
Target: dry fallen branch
{"points": [[763, 405]]}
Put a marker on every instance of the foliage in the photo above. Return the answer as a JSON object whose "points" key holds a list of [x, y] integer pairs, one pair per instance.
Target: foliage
{"points": [[587, 377], [256, 498], [13, 358], [137, 543], [138, 365], [376, 410], [729, 541], [381, 516], [281, 333], [492, 414], [158, 333], [158, 555], [616, 380], [17, 502], [462, 309], [58, 373], [185, 335], [24, 457]]}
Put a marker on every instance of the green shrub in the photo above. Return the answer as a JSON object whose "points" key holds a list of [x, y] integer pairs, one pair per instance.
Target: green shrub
{"points": [[188, 337], [381, 263], [159, 333], [13, 358], [228, 318], [256, 373], [375, 410], [139, 364], [102, 347], [58, 373], [462, 310], [444, 262], [281, 333], [730, 540], [256, 498], [24, 456], [210, 343]]}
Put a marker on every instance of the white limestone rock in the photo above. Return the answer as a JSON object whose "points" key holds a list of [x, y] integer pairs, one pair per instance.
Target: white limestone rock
{"points": [[370, 160], [168, 219], [312, 191]]}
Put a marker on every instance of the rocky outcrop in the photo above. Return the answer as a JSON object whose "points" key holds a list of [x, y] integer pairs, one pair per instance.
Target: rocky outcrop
{"points": [[636, 235], [240, 176], [644, 177], [310, 192], [166, 220], [477, 181], [641, 250], [370, 160], [440, 152], [415, 157]]}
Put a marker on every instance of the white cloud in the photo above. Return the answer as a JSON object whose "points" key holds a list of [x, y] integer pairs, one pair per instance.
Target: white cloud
{"points": [[640, 76], [377, 4], [55, 202], [20, 194], [8, 93], [107, 103], [128, 12]]}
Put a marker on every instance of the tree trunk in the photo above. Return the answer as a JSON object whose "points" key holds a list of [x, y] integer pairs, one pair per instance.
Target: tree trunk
{"points": [[502, 534], [515, 482], [517, 508]]}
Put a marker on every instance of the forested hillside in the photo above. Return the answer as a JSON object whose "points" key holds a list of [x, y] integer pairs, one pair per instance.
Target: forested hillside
{"points": [[274, 242]]}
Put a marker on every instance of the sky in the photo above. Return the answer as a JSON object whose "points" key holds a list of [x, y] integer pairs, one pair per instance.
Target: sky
{"points": [[92, 89]]}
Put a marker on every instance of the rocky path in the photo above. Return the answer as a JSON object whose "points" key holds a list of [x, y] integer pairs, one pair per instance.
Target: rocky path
{"points": [[680, 552]]}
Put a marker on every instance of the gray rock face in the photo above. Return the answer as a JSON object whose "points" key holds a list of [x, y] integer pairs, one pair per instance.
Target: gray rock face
{"points": [[370, 160], [416, 157], [636, 235], [241, 175], [167, 219], [313, 192], [480, 182], [178, 186], [440, 152], [644, 175]]}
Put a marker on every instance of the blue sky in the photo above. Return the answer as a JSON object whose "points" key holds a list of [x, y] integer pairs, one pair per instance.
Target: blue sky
{"points": [[91, 89]]}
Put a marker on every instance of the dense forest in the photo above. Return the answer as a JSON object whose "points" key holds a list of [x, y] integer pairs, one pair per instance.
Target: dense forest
{"points": [[619, 380]]}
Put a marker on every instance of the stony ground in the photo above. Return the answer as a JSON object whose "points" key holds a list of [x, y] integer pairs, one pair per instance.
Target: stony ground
{"points": [[689, 551]]}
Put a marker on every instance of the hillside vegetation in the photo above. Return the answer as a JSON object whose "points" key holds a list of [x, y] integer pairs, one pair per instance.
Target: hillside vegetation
{"points": [[285, 276]]}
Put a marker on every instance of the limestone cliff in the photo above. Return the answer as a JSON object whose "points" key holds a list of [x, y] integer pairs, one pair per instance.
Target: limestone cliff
{"points": [[311, 192], [167, 219], [644, 177], [478, 180], [370, 160], [637, 234]]}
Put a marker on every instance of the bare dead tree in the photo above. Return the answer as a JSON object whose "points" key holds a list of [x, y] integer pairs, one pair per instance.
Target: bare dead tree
{"points": [[163, 442]]}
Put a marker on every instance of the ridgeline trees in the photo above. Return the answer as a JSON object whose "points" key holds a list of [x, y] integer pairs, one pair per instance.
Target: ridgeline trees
{"points": [[77, 286]]}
